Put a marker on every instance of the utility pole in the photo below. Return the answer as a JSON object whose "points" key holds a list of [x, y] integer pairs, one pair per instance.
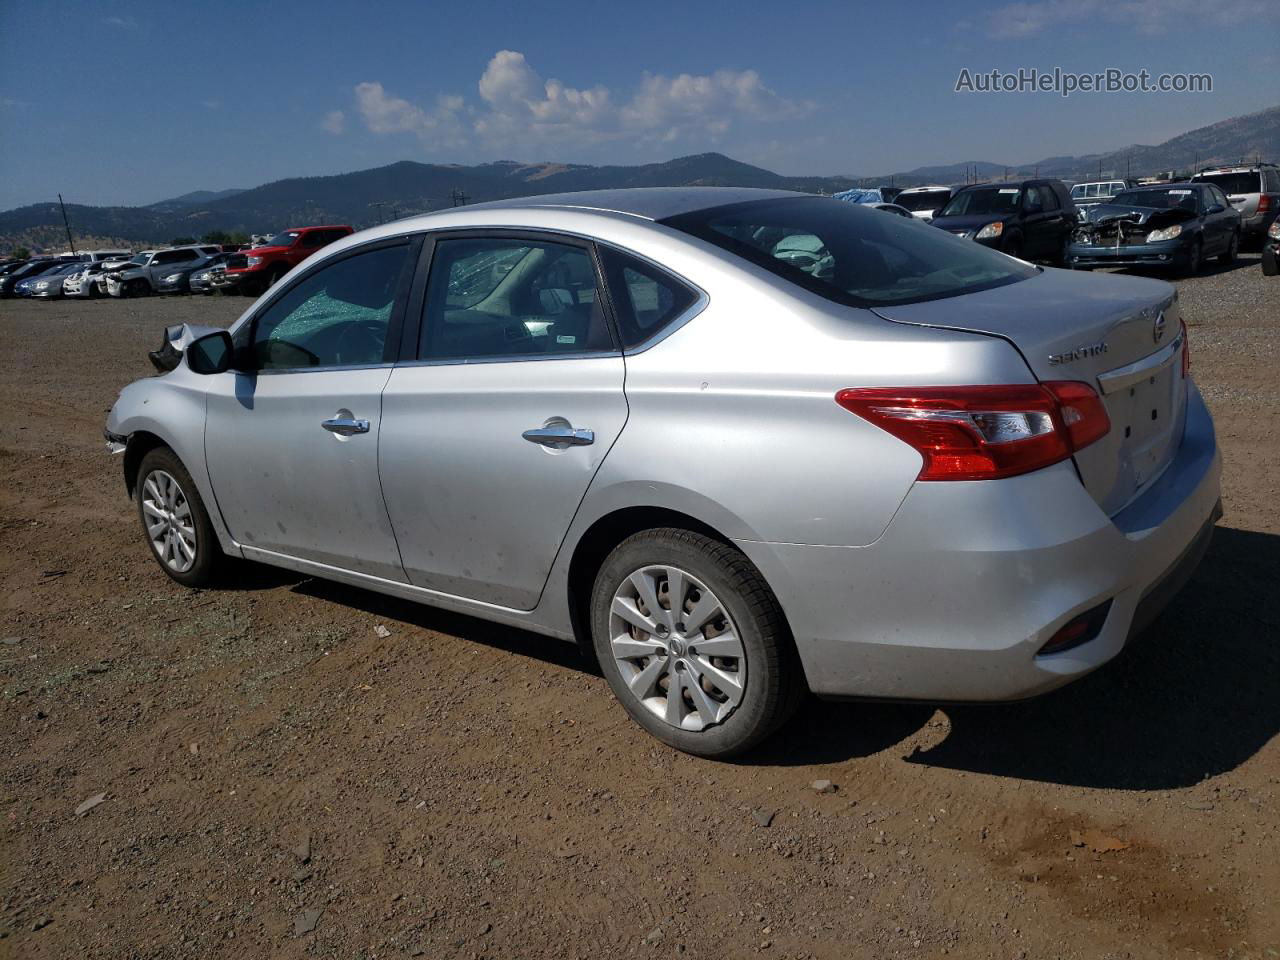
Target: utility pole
{"points": [[67, 223], [379, 204], [459, 197]]}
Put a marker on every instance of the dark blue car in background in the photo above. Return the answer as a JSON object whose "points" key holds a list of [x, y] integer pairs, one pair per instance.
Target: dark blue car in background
{"points": [[1171, 225]]}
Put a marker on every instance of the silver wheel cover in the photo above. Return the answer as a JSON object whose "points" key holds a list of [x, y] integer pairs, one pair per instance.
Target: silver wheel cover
{"points": [[166, 513], [676, 647]]}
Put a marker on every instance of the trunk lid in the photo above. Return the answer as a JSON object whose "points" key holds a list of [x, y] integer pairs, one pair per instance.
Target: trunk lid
{"points": [[1118, 334]]}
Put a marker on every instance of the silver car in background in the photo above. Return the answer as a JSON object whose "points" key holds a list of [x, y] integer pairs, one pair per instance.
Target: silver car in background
{"points": [[739, 443]]}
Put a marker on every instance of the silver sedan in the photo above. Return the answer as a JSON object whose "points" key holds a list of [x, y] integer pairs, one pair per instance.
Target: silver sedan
{"points": [[737, 444]]}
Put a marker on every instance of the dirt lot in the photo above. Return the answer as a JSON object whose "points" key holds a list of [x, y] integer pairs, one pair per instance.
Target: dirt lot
{"points": [[455, 789]]}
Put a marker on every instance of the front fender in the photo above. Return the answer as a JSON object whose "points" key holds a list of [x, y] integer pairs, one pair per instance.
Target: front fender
{"points": [[168, 411]]}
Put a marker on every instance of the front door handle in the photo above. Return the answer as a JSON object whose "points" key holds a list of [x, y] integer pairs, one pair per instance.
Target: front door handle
{"points": [[345, 426], [558, 436]]}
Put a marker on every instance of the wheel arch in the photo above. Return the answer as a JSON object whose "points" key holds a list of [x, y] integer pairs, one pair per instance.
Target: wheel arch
{"points": [[139, 444], [601, 537]]}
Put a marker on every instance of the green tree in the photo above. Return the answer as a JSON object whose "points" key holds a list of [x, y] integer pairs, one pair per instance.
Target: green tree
{"points": [[181, 241], [21, 253], [222, 237]]}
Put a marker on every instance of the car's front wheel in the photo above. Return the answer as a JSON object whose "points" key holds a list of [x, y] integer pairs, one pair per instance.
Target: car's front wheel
{"points": [[175, 521], [693, 642]]}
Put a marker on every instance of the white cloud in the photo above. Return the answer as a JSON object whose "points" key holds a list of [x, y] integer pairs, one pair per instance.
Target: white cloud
{"points": [[335, 122], [386, 114], [1031, 17], [519, 108]]}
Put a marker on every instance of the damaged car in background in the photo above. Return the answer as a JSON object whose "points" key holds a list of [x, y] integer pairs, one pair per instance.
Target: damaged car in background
{"points": [[1172, 226]]}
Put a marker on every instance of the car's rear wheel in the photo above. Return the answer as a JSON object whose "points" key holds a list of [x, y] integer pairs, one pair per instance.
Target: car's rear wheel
{"points": [[175, 521], [693, 642]]}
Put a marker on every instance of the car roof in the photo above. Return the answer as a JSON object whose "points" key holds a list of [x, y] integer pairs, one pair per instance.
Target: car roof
{"points": [[648, 203]]}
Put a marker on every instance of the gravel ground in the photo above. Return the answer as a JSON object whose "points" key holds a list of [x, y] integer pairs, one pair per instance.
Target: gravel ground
{"points": [[278, 778]]}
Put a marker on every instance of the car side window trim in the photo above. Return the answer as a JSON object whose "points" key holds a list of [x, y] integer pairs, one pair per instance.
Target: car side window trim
{"points": [[391, 353]]}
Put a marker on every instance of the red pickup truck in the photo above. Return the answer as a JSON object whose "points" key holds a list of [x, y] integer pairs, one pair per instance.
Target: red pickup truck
{"points": [[253, 271]]}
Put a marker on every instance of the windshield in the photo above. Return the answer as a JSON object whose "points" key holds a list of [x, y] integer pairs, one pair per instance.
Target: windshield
{"points": [[1169, 199], [982, 200], [852, 254], [928, 200], [1234, 182], [283, 239]]}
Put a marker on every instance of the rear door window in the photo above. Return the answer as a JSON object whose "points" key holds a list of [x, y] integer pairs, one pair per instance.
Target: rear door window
{"points": [[498, 297]]}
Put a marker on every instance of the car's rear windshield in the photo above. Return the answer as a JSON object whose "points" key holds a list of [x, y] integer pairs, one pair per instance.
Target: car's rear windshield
{"points": [[1234, 182], [852, 254], [926, 200], [982, 200]]}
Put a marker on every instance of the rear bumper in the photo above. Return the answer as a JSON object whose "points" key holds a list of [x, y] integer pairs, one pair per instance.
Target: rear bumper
{"points": [[970, 580]]}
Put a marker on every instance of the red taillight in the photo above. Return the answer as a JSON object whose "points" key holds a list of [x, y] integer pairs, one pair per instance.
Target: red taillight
{"points": [[1264, 203], [985, 432], [1186, 350]]}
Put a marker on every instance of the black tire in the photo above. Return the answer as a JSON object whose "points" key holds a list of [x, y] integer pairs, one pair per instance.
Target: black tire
{"points": [[1191, 265], [1233, 250], [1063, 259], [775, 683], [1013, 247], [137, 288], [209, 559]]}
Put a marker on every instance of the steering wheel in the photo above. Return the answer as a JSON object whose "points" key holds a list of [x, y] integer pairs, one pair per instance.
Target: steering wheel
{"points": [[361, 342]]}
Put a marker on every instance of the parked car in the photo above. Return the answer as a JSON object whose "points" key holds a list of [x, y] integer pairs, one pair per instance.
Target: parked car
{"points": [[1175, 226], [178, 279], [143, 275], [1032, 219], [83, 283], [93, 256], [26, 286], [200, 279], [1252, 189], [257, 269], [1093, 192], [48, 285], [23, 271], [1003, 472], [891, 208], [1271, 250], [924, 202]]}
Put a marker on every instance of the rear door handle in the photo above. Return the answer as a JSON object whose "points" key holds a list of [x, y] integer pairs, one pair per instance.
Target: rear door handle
{"points": [[560, 436], [345, 426]]}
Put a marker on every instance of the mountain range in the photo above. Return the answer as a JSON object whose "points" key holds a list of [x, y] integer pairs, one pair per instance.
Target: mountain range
{"points": [[364, 197]]}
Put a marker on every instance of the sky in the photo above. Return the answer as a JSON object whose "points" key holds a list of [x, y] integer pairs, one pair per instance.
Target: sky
{"points": [[131, 103]]}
